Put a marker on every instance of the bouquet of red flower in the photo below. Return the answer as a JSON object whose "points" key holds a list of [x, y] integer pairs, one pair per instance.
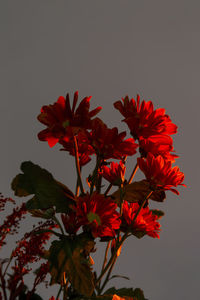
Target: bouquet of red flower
{"points": [[106, 205]]}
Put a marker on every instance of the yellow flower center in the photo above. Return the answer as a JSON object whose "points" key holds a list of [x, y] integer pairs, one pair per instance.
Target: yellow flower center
{"points": [[65, 123], [93, 217]]}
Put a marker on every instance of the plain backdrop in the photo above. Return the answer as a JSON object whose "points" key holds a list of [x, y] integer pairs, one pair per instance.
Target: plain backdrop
{"points": [[108, 49]]}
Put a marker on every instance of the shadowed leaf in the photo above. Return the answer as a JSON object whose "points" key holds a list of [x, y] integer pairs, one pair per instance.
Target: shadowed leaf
{"points": [[126, 293], [71, 256], [47, 191], [137, 192], [158, 213]]}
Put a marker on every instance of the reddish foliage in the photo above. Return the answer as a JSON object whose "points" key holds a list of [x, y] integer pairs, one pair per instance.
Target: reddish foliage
{"points": [[11, 223], [3, 202]]}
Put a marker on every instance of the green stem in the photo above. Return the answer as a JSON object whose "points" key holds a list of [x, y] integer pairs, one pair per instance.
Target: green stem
{"points": [[10, 259], [133, 173], [111, 268], [3, 285], [94, 175], [60, 290], [106, 255], [108, 189], [65, 290], [78, 166], [49, 230], [108, 275], [59, 224], [111, 259], [141, 206]]}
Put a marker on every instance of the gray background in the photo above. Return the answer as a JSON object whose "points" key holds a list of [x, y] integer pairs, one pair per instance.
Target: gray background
{"points": [[108, 49]]}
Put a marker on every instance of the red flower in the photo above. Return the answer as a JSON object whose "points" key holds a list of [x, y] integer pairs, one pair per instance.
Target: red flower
{"points": [[84, 148], [145, 223], [62, 121], [114, 174], [160, 173], [143, 120], [158, 145], [98, 214], [108, 143]]}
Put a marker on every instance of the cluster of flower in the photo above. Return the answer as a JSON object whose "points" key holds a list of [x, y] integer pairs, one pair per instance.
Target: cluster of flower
{"points": [[98, 213], [151, 128]]}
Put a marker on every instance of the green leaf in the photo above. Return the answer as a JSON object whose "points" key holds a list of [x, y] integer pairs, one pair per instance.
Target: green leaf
{"points": [[136, 294], [137, 192], [158, 213], [139, 234], [47, 191], [70, 257]]}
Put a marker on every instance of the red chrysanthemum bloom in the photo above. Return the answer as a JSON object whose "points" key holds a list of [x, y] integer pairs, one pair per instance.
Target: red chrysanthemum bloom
{"points": [[114, 174], [98, 214], [158, 145], [84, 148], [160, 173], [143, 120], [62, 121], [145, 223], [108, 143]]}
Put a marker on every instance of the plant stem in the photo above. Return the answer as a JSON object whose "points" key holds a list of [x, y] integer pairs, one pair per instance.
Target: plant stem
{"points": [[78, 166], [59, 224], [108, 275], [3, 285], [111, 259], [108, 189], [141, 206], [60, 290], [77, 188], [65, 290], [10, 259], [106, 255], [94, 175], [133, 173]]}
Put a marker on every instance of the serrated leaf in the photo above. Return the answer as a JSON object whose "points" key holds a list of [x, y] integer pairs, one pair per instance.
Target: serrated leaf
{"points": [[70, 256], [126, 293], [47, 191], [158, 213], [137, 192]]}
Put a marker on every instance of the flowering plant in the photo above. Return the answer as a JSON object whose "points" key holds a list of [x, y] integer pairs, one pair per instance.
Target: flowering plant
{"points": [[74, 221]]}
